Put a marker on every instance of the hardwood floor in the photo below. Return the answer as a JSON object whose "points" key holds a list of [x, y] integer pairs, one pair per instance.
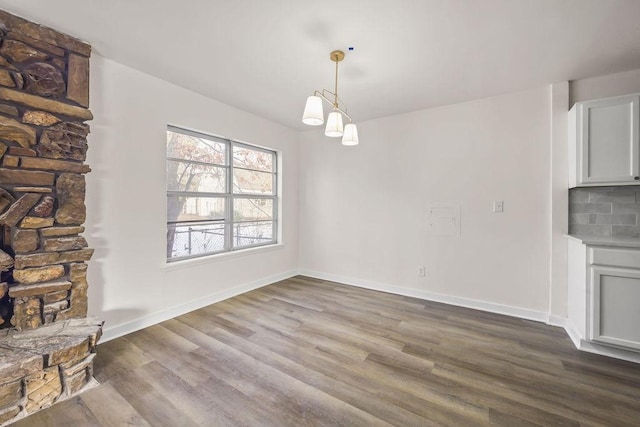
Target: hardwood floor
{"points": [[310, 352]]}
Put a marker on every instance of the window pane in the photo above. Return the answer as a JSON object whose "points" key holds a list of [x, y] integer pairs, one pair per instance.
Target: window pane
{"points": [[210, 210], [187, 147], [252, 159], [252, 182], [252, 233], [195, 177], [180, 208], [189, 239], [252, 209]]}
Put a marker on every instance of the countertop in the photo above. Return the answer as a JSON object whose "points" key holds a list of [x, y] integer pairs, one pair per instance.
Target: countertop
{"points": [[623, 242]]}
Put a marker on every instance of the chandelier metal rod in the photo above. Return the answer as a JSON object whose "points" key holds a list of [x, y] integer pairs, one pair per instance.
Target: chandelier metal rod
{"points": [[336, 59], [335, 104]]}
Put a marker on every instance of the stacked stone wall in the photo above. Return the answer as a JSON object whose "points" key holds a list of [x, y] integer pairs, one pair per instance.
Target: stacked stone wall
{"points": [[44, 100]]}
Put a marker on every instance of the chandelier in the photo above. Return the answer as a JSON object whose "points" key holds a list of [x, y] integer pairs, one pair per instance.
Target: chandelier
{"points": [[314, 116]]}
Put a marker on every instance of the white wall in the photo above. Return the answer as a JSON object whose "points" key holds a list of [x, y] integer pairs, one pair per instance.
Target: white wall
{"points": [[363, 209], [130, 286]]}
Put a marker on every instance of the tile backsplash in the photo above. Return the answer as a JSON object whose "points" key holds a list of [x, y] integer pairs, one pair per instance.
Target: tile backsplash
{"points": [[605, 211]]}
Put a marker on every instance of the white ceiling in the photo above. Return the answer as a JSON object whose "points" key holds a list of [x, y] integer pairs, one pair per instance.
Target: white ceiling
{"points": [[265, 57]]}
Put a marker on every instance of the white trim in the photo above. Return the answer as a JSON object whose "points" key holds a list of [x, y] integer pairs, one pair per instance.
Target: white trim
{"points": [[557, 321], [522, 313], [573, 334], [170, 313], [582, 345], [223, 256], [603, 350]]}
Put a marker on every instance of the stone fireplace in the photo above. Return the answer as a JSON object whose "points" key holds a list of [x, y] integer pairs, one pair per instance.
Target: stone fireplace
{"points": [[47, 343]]}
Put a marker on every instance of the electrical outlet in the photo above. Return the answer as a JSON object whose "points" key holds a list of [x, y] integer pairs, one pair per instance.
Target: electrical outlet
{"points": [[421, 271], [498, 206]]}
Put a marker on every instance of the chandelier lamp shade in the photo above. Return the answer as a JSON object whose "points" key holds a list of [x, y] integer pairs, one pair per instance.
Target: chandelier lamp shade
{"points": [[314, 115]]}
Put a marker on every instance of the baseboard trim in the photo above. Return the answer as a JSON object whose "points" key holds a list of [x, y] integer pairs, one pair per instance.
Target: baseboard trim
{"points": [[110, 333], [522, 313], [603, 350], [116, 331], [558, 321], [573, 334]]}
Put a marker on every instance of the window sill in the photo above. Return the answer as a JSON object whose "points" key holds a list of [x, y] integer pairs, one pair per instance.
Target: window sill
{"points": [[225, 256]]}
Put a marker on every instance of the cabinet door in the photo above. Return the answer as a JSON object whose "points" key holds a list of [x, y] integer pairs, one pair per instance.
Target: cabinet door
{"points": [[609, 141], [615, 307]]}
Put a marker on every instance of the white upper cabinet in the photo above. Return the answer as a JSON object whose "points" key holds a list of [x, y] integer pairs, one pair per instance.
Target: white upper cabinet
{"points": [[604, 142]]}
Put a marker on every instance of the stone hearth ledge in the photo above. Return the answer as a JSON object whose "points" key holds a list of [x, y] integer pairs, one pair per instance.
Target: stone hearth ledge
{"points": [[47, 365]]}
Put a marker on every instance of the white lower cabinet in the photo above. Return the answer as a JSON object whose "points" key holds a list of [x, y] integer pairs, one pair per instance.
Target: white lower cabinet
{"points": [[615, 306], [604, 295]]}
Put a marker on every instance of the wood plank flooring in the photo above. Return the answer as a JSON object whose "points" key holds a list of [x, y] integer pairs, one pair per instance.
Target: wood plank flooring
{"points": [[307, 352]]}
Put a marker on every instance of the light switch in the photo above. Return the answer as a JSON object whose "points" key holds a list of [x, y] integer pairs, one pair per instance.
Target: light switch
{"points": [[498, 206]]}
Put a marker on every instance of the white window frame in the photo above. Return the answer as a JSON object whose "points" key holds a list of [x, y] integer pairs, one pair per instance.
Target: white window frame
{"points": [[229, 196]]}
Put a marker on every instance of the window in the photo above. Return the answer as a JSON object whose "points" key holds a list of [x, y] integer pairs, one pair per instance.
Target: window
{"points": [[221, 195]]}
